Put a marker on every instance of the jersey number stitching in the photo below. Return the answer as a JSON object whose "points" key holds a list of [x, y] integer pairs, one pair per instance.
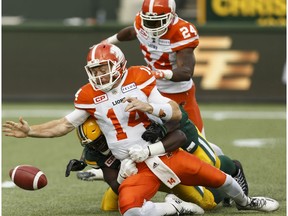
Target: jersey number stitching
{"points": [[135, 117]]}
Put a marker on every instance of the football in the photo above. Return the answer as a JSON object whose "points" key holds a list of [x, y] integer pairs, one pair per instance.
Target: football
{"points": [[28, 177]]}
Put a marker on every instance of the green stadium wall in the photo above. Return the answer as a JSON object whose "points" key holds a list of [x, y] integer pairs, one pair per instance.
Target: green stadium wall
{"points": [[234, 64]]}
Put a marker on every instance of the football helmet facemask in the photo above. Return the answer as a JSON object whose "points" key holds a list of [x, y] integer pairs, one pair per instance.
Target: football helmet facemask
{"points": [[157, 16], [90, 135], [105, 54]]}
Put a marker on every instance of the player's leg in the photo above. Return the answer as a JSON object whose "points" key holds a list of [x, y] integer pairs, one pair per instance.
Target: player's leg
{"points": [[205, 152], [192, 171], [143, 186], [172, 206], [109, 201], [196, 194]]}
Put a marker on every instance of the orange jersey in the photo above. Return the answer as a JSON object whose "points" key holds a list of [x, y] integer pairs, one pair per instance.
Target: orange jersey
{"points": [[121, 129], [160, 53]]}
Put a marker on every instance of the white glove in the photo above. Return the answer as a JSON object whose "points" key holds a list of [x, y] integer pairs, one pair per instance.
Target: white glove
{"points": [[127, 168], [138, 153]]}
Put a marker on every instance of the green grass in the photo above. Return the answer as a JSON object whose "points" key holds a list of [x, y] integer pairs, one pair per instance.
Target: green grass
{"points": [[265, 167]]}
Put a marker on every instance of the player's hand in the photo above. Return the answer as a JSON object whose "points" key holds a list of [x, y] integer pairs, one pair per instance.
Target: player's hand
{"points": [[138, 153], [160, 74], [19, 130], [136, 104], [74, 165], [127, 168], [154, 132]]}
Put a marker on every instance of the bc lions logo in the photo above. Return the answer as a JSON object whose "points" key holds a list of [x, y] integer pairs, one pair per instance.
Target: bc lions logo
{"points": [[100, 99]]}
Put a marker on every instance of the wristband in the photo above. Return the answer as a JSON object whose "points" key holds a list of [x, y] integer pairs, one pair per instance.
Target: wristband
{"points": [[156, 149], [164, 111], [120, 178], [113, 39], [167, 74]]}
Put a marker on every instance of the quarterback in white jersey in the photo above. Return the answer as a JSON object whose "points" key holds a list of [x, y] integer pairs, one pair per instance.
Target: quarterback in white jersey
{"points": [[107, 106]]}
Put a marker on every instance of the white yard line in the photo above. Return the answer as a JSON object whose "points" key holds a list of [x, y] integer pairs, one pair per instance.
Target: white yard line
{"points": [[216, 115]]}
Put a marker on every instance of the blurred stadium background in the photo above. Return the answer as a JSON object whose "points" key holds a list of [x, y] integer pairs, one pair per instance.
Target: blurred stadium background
{"points": [[240, 77]]}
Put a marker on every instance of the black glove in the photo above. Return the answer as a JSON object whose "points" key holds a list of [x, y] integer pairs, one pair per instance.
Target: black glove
{"points": [[74, 165], [154, 132]]}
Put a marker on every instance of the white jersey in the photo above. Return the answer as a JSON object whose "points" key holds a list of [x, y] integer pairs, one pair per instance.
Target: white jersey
{"points": [[160, 53], [121, 129]]}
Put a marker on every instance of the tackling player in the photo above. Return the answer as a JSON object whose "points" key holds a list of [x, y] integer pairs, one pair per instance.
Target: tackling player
{"points": [[121, 100], [97, 154]]}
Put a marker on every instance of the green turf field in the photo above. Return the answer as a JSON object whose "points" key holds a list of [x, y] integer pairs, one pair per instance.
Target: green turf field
{"points": [[253, 134]]}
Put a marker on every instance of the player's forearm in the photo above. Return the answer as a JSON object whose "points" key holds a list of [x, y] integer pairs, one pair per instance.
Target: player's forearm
{"points": [[54, 128], [182, 74], [125, 34], [185, 65], [173, 140], [169, 143]]}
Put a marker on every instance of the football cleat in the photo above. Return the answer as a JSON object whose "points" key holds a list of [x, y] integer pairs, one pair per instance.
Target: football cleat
{"points": [[263, 204], [90, 175], [182, 207]]}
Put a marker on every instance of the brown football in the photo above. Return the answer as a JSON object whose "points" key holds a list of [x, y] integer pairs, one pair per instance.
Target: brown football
{"points": [[28, 177]]}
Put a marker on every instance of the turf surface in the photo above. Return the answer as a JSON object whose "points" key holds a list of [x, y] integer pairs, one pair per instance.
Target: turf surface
{"points": [[253, 134]]}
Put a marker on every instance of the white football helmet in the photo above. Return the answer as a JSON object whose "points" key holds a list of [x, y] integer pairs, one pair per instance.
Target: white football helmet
{"points": [[157, 16], [105, 54]]}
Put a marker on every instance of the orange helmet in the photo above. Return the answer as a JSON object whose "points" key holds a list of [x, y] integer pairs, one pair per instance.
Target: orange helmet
{"points": [[105, 54], [157, 15]]}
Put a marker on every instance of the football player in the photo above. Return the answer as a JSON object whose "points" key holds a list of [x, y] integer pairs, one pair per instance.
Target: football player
{"points": [[121, 100], [167, 43], [195, 144], [97, 154]]}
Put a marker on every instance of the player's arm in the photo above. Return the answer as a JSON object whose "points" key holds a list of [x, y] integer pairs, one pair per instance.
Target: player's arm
{"points": [[110, 177], [125, 34], [185, 67], [114, 177], [171, 142], [167, 111], [54, 128], [21, 129]]}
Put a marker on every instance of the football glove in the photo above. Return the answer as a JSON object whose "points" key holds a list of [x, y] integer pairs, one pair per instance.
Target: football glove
{"points": [[138, 153], [127, 168], [154, 132], [74, 165]]}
